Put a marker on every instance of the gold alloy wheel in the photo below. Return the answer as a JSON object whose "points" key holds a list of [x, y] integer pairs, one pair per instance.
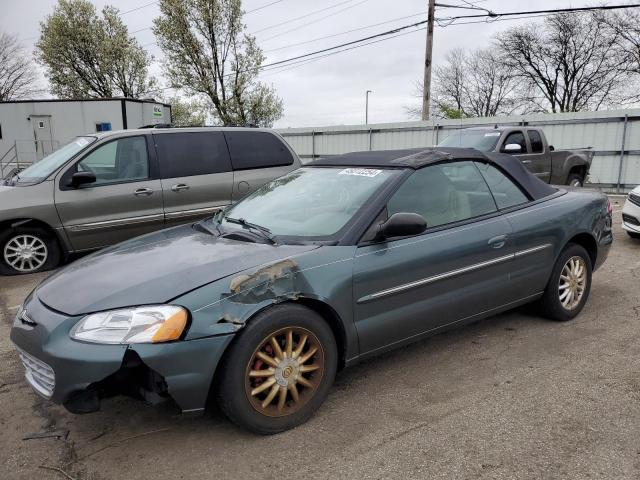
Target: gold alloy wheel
{"points": [[284, 371], [572, 284]]}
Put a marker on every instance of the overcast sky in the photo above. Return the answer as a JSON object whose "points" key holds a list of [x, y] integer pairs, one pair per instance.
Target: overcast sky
{"points": [[328, 91]]}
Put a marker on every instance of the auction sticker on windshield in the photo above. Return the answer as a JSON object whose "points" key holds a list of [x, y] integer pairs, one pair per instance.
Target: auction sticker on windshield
{"points": [[360, 172], [492, 134]]}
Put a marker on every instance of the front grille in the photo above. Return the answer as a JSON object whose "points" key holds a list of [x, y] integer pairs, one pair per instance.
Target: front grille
{"points": [[39, 375], [635, 199], [630, 219]]}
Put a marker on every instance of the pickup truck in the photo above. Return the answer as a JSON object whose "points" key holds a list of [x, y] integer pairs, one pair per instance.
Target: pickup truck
{"points": [[530, 146]]}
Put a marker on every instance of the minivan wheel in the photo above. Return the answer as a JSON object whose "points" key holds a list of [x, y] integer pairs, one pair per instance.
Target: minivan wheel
{"points": [[278, 371], [569, 285], [27, 250]]}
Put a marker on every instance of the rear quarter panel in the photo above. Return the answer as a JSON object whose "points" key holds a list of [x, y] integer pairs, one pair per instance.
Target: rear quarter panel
{"points": [[554, 222]]}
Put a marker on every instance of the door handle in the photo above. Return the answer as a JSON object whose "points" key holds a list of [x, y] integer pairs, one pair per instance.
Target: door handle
{"points": [[143, 191], [526, 161], [180, 186], [498, 242]]}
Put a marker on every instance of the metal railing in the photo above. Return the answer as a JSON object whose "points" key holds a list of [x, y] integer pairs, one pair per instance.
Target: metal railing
{"points": [[24, 153]]}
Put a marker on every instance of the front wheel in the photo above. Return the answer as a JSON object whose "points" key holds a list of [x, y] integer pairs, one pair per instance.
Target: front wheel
{"points": [[569, 286], [27, 250], [278, 371], [634, 235]]}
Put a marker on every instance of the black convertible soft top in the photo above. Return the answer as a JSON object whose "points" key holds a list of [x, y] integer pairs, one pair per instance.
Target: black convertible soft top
{"points": [[416, 158]]}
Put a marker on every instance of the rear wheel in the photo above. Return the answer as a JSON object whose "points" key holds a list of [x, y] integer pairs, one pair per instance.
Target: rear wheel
{"points": [[278, 371], [575, 180], [569, 286], [27, 250]]}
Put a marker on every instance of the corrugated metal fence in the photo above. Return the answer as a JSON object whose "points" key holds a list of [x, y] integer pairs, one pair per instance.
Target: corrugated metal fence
{"points": [[613, 135]]}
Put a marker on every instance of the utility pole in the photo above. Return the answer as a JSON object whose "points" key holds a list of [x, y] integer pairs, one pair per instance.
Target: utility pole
{"points": [[366, 107], [426, 83]]}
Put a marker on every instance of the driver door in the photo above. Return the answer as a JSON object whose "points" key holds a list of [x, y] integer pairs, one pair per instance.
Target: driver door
{"points": [[123, 202], [459, 267]]}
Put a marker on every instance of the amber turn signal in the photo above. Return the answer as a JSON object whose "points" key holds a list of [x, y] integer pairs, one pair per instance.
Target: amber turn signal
{"points": [[171, 328]]}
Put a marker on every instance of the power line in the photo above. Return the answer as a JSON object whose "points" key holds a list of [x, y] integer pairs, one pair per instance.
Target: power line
{"points": [[345, 32], [139, 8], [382, 36], [302, 16], [552, 11], [264, 6], [301, 63], [377, 35], [314, 21]]}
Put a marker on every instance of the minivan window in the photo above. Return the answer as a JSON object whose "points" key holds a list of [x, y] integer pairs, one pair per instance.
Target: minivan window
{"points": [[123, 160], [186, 154], [49, 164], [257, 150]]}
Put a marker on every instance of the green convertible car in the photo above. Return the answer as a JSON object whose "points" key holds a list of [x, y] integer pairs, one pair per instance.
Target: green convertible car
{"points": [[345, 258]]}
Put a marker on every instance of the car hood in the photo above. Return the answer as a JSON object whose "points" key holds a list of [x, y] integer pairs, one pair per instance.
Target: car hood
{"points": [[154, 268]]}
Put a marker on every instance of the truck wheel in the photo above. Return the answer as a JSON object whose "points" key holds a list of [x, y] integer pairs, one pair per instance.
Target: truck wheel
{"points": [[569, 285], [575, 180], [27, 250], [278, 371]]}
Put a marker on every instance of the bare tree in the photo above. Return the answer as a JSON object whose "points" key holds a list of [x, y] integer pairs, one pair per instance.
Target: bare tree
{"points": [[490, 89], [473, 84], [18, 77], [625, 26], [571, 61]]}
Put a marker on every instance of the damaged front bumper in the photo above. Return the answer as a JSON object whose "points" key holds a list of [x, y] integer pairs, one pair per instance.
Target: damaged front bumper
{"points": [[79, 374]]}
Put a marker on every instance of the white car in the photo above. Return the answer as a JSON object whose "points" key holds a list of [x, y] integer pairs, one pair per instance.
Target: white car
{"points": [[631, 213]]}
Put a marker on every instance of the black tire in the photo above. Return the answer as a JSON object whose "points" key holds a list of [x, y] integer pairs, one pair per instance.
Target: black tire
{"points": [[232, 394], [634, 235], [53, 252], [575, 180], [550, 302]]}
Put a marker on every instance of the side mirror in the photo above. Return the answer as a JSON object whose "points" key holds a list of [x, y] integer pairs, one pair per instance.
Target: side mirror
{"points": [[402, 225], [551, 148], [512, 148], [82, 178]]}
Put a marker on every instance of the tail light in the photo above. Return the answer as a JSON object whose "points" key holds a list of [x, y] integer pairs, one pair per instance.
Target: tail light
{"points": [[609, 207]]}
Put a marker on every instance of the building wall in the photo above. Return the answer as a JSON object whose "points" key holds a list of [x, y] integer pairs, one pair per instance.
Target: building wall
{"points": [[600, 130], [69, 119]]}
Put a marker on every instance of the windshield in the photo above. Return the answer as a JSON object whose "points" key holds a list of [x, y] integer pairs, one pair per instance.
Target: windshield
{"points": [[310, 201], [483, 140], [49, 164]]}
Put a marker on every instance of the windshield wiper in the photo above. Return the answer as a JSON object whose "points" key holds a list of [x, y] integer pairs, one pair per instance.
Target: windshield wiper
{"points": [[264, 231]]}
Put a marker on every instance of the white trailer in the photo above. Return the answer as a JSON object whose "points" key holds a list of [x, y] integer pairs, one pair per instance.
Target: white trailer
{"points": [[31, 129]]}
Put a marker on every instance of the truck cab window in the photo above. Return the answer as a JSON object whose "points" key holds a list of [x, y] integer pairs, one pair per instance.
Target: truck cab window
{"points": [[518, 139], [536, 141]]}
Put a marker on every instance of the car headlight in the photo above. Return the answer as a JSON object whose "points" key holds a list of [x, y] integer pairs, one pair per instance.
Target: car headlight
{"points": [[147, 324]]}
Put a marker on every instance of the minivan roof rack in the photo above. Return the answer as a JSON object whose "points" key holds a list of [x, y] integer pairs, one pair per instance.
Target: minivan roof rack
{"points": [[158, 125]]}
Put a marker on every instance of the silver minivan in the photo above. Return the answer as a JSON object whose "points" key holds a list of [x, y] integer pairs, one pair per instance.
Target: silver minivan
{"points": [[101, 189]]}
